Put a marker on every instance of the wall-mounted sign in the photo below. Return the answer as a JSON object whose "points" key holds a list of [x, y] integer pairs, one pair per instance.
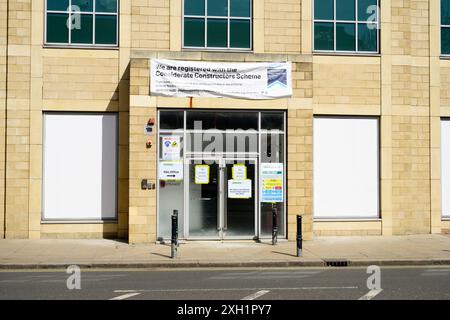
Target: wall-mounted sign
{"points": [[173, 78], [171, 148], [201, 174], [240, 189], [272, 182], [239, 172], [171, 170]]}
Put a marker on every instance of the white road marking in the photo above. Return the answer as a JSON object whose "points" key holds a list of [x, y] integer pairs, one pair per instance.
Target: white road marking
{"points": [[436, 273], [126, 296], [371, 294], [256, 295], [234, 289]]}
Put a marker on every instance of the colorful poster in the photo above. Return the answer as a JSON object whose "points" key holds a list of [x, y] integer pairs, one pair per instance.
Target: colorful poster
{"points": [[201, 174], [239, 172], [272, 182], [171, 170], [240, 189], [171, 148]]}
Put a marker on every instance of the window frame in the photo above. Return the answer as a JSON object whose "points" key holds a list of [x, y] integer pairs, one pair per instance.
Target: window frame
{"points": [[92, 45], [205, 17], [441, 26], [356, 23]]}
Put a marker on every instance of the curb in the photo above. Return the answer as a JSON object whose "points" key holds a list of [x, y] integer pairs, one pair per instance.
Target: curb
{"points": [[219, 264]]}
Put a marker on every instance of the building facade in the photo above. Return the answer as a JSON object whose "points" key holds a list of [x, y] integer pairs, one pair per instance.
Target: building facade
{"points": [[362, 145]]}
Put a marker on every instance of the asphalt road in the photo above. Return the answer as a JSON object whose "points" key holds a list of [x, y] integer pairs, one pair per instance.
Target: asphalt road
{"points": [[235, 284]]}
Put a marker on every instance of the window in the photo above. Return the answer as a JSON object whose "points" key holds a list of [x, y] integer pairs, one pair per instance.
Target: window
{"points": [[82, 22], [445, 27], [346, 170], [346, 26], [217, 24], [445, 169], [80, 166]]}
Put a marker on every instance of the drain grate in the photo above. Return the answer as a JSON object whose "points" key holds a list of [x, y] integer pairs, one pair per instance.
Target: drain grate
{"points": [[336, 263]]}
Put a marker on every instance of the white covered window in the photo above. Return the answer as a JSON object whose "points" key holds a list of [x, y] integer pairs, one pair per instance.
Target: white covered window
{"points": [[445, 167], [80, 166], [346, 171]]}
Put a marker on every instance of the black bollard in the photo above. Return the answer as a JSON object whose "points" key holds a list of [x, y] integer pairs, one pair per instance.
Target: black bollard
{"points": [[274, 225], [299, 236], [174, 242]]}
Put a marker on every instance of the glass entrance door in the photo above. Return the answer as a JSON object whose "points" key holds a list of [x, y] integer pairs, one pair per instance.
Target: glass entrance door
{"points": [[221, 198]]}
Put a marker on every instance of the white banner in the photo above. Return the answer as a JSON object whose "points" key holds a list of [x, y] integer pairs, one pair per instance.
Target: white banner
{"points": [[173, 78]]}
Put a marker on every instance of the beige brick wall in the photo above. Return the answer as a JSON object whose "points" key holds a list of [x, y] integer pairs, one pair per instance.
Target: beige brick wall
{"points": [[142, 161], [347, 81], [282, 20], [150, 24], [80, 78], [3, 41], [18, 119]]}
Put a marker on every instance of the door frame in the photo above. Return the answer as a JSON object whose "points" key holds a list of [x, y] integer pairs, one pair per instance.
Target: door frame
{"points": [[221, 233]]}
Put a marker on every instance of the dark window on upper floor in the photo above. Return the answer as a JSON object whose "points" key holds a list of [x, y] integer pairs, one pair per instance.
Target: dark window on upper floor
{"points": [[217, 24], [346, 26], [81, 23]]}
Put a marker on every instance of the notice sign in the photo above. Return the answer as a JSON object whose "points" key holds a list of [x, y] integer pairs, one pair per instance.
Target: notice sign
{"points": [[240, 189], [171, 170], [173, 78], [272, 182], [171, 148], [201, 174], [239, 172]]}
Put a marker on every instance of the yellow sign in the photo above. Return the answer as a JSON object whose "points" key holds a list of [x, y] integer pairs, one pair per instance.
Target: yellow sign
{"points": [[239, 172], [201, 175]]}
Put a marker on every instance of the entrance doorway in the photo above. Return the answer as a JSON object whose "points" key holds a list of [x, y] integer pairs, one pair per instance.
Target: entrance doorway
{"points": [[221, 198]]}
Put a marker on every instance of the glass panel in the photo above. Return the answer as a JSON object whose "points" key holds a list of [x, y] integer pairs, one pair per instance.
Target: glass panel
{"points": [[445, 12], [203, 202], [84, 5], [194, 32], [239, 219], [57, 31], [367, 10], [445, 40], [194, 7], [171, 120], [240, 33], [323, 9], [83, 35], [345, 37], [217, 33], [221, 120], [272, 121], [323, 36], [105, 29], [272, 147], [218, 8], [106, 5], [219, 142], [367, 37], [240, 8], [266, 219], [171, 197], [345, 10], [58, 5]]}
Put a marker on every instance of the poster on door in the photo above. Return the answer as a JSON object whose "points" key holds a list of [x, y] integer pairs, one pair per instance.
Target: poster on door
{"points": [[272, 182], [201, 174], [171, 148], [239, 189], [239, 172]]}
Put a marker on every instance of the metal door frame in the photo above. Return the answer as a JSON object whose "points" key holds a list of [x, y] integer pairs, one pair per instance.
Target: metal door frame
{"points": [[221, 197]]}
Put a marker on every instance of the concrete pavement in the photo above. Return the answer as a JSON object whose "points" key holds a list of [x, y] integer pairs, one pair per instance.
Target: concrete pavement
{"points": [[355, 251]]}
